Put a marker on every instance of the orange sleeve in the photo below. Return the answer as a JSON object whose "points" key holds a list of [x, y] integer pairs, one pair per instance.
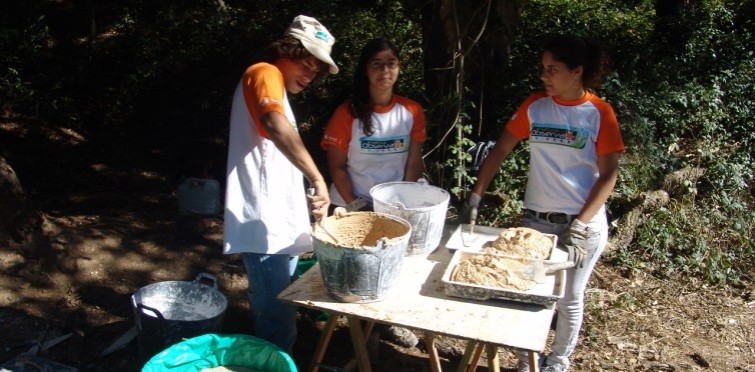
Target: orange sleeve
{"points": [[263, 89], [609, 136], [519, 124], [419, 131], [338, 130]]}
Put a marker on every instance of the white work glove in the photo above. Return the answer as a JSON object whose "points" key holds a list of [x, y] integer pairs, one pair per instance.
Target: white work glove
{"points": [[357, 205], [574, 239], [469, 214]]}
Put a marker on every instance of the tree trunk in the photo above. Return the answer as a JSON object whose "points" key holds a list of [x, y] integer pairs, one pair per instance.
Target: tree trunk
{"points": [[675, 186], [20, 225]]}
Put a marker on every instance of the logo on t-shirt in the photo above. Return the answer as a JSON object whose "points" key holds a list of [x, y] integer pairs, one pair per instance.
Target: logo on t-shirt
{"points": [[389, 145], [559, 135], [268, 101]]}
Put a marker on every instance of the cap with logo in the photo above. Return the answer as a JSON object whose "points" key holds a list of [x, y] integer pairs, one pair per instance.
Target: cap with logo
{"points": [[315, 38]]}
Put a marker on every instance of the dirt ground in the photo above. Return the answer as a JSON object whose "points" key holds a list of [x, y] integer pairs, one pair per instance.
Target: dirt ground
{"points": [[114, 227]]}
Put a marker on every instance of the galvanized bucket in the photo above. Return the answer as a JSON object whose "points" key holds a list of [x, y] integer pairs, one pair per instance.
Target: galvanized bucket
{"points": [[423, 205], [364, 264], [169, 312]]}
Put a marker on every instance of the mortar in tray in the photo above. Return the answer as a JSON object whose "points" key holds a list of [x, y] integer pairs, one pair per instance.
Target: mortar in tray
{"points": [[364, 264]]}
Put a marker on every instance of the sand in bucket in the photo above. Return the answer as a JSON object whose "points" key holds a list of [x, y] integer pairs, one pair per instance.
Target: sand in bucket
{"points": [[366, 263]]}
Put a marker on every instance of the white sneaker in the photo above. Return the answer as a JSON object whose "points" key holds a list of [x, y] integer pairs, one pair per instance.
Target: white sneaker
{"points": [[523, 366], [554, 368]]}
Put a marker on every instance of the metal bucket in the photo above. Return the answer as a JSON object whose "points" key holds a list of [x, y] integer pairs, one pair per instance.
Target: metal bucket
{"points": [[365, 263], [423, 205], [169, 312]]}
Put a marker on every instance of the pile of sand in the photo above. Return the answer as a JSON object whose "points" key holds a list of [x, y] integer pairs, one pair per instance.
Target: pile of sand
{"points": [[521, 242], [490, 269]]}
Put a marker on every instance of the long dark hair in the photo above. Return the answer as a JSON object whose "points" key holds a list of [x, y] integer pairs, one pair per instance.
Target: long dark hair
{"points": [[361, 102], [575, 51]]}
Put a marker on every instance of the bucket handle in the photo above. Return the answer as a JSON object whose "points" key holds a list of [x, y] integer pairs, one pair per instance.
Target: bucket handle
{"points": [[398, 205], [160, 318], [208, 276], [158, 314]]}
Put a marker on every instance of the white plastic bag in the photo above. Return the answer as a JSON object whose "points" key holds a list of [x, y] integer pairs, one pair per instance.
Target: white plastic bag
{"points": [[199, 195]]}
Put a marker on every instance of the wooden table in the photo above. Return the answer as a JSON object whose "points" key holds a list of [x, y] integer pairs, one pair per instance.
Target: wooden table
{"points": [[417, 301]]}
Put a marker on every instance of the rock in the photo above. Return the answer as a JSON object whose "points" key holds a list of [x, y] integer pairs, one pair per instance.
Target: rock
{"points": [[400, 335]]}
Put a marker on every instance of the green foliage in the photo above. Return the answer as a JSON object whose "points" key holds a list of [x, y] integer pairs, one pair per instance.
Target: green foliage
{"points": [[682, 87], [21, 60], [459, 157], [695, 116], [178, 57], [670, 243]]}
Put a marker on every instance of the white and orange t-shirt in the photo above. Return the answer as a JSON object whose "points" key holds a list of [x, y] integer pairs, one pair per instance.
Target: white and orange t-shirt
{"points": [[381, 157], [265, 206], [565, 140]]}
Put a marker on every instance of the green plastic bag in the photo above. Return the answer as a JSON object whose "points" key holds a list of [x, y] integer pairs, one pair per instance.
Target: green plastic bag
{"points": [[305, 264], [216, 350]]}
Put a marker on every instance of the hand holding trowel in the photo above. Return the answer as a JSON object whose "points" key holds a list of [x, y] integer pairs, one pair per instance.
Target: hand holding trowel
{"points": [[471, 210], [537, 270], [470, 214], [318, 222]]}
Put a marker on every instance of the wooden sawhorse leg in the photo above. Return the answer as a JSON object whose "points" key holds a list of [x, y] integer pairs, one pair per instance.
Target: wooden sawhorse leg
{"points": [[534, 367], [473, 352], [322, 344], [432, 352], [358, 341]]}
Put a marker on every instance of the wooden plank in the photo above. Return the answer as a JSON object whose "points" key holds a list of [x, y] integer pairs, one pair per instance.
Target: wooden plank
{"points": [[432, 352], [534, 367], [475, 358], [359, 342], [468, 352], [493, 363], [323, 342]]}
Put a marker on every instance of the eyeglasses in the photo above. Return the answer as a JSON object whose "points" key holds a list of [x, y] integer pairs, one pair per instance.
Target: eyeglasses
{"points": [[378, 65]]}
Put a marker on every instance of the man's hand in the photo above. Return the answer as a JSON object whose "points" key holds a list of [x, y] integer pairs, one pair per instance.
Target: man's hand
{"points": [[574, 239], [469, 212], [318, 200]]}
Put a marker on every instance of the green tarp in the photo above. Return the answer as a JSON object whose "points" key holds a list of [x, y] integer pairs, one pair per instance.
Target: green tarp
{"points": [[216, 350]]}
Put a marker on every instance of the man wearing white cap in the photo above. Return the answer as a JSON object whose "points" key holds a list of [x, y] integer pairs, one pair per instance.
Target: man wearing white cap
{"points": [[266, 208]]}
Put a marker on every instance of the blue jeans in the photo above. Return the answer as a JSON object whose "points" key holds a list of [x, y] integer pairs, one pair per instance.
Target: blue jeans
{"points": [[571, 307], [268, 275]]}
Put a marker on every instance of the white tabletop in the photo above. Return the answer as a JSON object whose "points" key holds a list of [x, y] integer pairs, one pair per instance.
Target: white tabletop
{"points": [[417, 301]]}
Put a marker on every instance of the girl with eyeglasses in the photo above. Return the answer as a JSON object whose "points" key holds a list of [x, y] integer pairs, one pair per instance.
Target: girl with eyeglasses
{"points": [[376, 136]]}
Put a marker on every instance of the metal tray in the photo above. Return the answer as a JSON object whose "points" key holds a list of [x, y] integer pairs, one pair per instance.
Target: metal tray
{"points": [[545, 294], [461, 239]]}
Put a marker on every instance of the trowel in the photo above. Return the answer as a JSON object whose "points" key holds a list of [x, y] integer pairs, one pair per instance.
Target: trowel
{"points": [[538, 269], [318, 223]]}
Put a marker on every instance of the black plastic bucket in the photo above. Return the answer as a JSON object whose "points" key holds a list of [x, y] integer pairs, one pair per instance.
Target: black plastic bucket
{"points": [[169, 312]]}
